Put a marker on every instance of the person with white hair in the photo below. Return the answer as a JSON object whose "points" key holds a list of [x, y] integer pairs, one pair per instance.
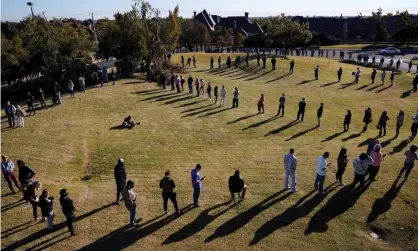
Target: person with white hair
{"points": [[20, 117], [7, 167]]}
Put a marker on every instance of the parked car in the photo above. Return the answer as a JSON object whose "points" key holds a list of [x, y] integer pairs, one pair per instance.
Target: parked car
{"points": [[213, 50], [390, 51]]}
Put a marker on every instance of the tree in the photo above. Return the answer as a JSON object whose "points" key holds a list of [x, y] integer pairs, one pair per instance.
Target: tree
{"points": [[409, 28], [380, 28], [223, 36], [14, 59], [194, 33], [288, 31]]}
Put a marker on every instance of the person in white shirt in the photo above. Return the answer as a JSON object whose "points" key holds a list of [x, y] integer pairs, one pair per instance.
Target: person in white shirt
{"points": [[70, 87], [361, 165], [290, 164], [82, 83], [321, 170], [223, 96]]}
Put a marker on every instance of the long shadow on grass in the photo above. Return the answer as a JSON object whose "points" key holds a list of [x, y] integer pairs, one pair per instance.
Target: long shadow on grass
{"points": [[299, 134], [158, 96], [363, 87], [126, 236], [291, 214], [399, 147], [167, 98], [199, 112], [338, 204], [177, 100], [244, 218], [365, 142], [343, 86], [305, 82], [261, 123], [387, 142], [287, 126], [333, 136], [276, 79], [384, 89], [227, 71], [57, 227], [382, 205], [148, 92], [242, 118], [406, 94], [256, 69], [216, 112], [204, 219], [328, 84], [18, 228], [352, 136], [374, 87], [195, 109], [259, 76], [5, 208], [245, 72], [39, 246], [189, 104]]}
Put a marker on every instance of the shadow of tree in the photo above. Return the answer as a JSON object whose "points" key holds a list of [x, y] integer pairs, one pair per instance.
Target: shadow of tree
{"points": [[382, 205], [244, 218], [297, 135]]}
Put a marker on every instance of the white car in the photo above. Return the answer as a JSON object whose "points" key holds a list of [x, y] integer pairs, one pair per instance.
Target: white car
{"points": [[390, 51]]}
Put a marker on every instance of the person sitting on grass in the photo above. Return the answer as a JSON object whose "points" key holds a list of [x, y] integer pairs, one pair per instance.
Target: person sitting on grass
{"points": [[236, 185], [128, 122]]}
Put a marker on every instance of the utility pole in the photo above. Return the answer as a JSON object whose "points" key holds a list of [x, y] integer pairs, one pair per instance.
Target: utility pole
{"points": [[94, 32], [31, 4]]}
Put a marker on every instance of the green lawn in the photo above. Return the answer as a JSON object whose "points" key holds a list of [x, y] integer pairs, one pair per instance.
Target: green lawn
{"points": [[75, 139]]}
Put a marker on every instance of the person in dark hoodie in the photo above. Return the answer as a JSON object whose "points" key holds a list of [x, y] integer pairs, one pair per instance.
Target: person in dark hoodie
{"points": [[46, 204], [68, 210], [120, 178], [167, 185], [237, 185]]}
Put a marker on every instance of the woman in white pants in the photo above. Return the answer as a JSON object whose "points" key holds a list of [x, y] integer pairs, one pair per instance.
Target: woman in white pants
{"points": [[20, 114], [223, 96]]}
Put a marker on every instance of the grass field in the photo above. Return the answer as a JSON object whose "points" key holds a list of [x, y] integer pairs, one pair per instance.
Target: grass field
{"points": [[77, 139]]}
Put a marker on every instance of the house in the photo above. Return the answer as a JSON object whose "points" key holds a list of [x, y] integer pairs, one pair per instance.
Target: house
{"points": [[243, 24]]}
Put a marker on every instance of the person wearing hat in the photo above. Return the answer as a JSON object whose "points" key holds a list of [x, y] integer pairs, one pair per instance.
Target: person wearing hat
{"points": [[25, 175], [7, 167], [130, 202], [167, 185], [68, 210], [120, 178]]}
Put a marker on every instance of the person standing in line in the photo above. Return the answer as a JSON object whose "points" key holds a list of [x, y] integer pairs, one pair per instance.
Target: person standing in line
{"points": [[333, 54], [398, 63], [209, 91], [374, 72], [182, 81], [367, 119], [215, 93], [70, 87], [409, 66], [319, 113], [273, 63], [112, 75], [57, 90], [260, 104], [317, 72], [219, 62], [197, 85], [32, 198], [357, 75], [258, 59], [282, 101], [382, 123], [120, 178], [339, 73], [301, 110], [163, 80], [182, 60], [68, 209], [189, 60], [247, 58], [82, 83], [321, 170], [177, 82], [10, 111], [237, 185], [414, 126], [194, 62], [415, 83], [378, 158], [190, 84], [264, 59], [25, 175], [211, 62], [202, 87], [342, 161], [292, 65], [7, 167], [129, 198], [167, 185], [20, 117], [347, 121], [235, 98], [370, 146], [228, 62], [223, 96], [196, 184], [31, 107], [392, 77], [411, 156], [361, 165], [399, 122], [46, 204], [383, 76], [290, 164], [172, 81]]}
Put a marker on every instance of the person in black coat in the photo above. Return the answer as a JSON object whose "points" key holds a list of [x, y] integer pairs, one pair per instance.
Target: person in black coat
{"points": [[264, 59], [247, 58], [374, 72], [211, 62], [292, 65], [258, 59], [228, 62], [301, 111], [339, 73], [319, 113], [182, 60], [367, 119], [347, 121], [120, 178], [237, 185], [31, 107], [68, 210], [167, 185], [317, 72], [219, 62], [273, 63]]}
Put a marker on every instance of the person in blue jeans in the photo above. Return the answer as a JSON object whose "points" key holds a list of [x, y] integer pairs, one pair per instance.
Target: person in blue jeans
{"points": [[130, 202], [321, 170], [197, 184]]}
